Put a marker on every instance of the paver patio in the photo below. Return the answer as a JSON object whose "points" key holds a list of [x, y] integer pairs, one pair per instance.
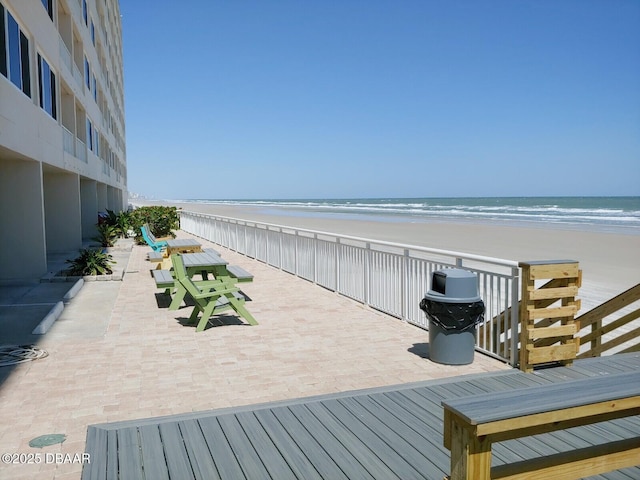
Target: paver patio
{"points": [[117, 353]]}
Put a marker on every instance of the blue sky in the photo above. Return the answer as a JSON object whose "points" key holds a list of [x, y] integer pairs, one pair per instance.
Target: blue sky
{"points": [[228, 99]]}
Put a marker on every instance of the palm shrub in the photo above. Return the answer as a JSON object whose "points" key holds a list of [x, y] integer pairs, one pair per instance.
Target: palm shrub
{"points": [[91, 261], [120, 221], [111, 218], [123, 224], [107, 234]]}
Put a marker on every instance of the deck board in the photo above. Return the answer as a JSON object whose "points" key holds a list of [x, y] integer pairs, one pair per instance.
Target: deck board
{"points": [[321, 430], [384, 433], [377, 437], [112, 455], [176, 455], [227, 464], [153, 459], [319, 458], [97, 439], [128, 459], [197, 450], [301, 465], [246, 454], [268, 452]]}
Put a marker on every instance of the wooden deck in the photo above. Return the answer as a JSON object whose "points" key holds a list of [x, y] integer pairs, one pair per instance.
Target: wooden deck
{"points": [[385, 433]]}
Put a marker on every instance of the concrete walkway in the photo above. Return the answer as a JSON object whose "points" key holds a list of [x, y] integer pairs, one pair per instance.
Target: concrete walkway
{"points": [[116, 353]]}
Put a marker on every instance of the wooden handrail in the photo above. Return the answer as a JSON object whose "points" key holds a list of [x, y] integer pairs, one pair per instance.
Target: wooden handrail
{"points": [[593, 318], [612, 305]]}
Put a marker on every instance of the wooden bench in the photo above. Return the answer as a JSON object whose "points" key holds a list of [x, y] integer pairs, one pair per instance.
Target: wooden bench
{"points": [[155, 257], [473, 424], [239, 273], [164, 279]]}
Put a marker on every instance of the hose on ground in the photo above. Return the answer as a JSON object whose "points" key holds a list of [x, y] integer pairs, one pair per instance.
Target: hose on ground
{"points": [[14, 354]]}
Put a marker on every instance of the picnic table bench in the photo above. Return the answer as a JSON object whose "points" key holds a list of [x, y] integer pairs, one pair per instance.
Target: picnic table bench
{"points": [[155, 257], [164, 279], [472, 424], [225, 279], [210, 296]]}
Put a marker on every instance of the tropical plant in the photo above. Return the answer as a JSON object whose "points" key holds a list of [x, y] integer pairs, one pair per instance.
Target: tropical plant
{"points": [[120, 221], [123, 224], [111, 218], [161, 220], [107, 234], [91, 261]]}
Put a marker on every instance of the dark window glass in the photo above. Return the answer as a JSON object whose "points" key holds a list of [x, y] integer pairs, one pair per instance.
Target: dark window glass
{"points": [[47, 87], [40, 84], [24, 56], [89, 135], [46, 83], [85, 13], [18, 64], [93, 33], [3, 44], [54, 96], [87, 73], [48, 5], [14, 52]]}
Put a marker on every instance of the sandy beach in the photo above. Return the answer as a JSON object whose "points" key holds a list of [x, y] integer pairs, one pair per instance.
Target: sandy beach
{"points": [[610, 261]]}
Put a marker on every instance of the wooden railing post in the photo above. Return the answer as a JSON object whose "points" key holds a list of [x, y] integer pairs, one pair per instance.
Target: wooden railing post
{"points": [[539, 317]]}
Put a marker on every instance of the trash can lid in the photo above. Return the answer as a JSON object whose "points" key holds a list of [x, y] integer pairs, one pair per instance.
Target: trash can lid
{"points": [[454, 285]]}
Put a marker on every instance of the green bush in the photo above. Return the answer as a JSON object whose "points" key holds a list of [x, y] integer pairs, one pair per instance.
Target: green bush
{"points": [[91, 261], [161, 220], [121, 222], [107, 234]]}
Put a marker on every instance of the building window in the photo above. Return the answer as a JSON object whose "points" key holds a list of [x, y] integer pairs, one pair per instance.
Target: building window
{"points": [[87, 73], [93, 33], [48, 5], [94, 88], [85, 12], [47, 88], [3, 43], [89, 135], [14, 55]]}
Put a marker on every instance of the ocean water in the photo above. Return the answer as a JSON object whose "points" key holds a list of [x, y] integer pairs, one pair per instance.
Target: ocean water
{"points": [[616, 214]]}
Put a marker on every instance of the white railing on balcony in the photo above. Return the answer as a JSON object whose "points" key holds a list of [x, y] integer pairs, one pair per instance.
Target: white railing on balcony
{"points": [[65, 55], [77, 75], [67, 141], [386, 276], [81, 150]]}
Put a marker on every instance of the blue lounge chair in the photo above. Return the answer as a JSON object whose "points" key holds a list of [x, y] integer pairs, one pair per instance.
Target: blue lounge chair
{"points": [[155, 244]]}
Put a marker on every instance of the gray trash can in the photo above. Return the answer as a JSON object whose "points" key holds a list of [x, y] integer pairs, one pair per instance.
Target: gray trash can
{"points": [[453, 307]]}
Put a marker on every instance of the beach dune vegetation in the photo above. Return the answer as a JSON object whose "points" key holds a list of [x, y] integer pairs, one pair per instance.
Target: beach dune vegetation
{"points": [[162, 221]]}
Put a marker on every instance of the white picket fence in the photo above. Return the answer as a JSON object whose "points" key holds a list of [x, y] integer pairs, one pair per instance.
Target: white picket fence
{"points": [[389, 277]]}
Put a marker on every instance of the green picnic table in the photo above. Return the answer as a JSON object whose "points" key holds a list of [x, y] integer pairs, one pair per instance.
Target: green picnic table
{"points": [[210, 296]]}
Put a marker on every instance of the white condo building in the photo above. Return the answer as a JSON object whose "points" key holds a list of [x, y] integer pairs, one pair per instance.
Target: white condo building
{"points": [[62, 129]]}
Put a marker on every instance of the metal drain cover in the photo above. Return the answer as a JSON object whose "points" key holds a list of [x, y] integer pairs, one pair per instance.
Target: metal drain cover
{"points": [[46, 440]]}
